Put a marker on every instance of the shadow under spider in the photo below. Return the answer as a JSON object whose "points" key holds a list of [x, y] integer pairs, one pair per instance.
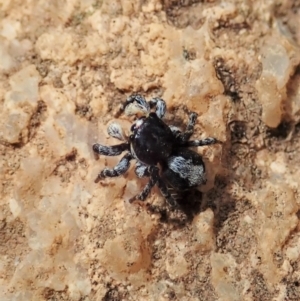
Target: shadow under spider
{"points": [[189, 205]]}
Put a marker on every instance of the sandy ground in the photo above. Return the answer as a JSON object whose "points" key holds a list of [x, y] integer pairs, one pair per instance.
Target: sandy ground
{"points": [[65, 68]]}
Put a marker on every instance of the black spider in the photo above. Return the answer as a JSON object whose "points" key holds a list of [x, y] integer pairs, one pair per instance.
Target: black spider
{"points": [[152, 143]]}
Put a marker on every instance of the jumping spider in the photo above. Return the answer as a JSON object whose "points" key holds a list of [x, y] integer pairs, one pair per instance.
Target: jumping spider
{"points": [[152, 143]]}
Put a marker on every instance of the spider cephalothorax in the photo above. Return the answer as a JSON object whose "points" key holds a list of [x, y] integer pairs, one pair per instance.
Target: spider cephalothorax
{"points": [[161, 151]]}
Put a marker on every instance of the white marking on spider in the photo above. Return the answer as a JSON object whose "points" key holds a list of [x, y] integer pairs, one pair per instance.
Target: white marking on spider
{"points": [[186, 170], [135, 108], [115, 130]]}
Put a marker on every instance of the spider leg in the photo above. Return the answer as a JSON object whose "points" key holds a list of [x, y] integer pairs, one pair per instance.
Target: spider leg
{"points": [[190, 126], [141, 170], [118, 170], [113, 150], [160, 105], [116, 131], [153, 172], [202, 142], [139, 99], [165, 193], [185, 136], [134, 104]]}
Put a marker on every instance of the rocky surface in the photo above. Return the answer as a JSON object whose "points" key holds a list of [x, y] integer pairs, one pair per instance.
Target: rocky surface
{"points": [[64, 69]]}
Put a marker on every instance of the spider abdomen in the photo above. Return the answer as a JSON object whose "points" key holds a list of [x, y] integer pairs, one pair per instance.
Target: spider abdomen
{"points": [[185, 169]]}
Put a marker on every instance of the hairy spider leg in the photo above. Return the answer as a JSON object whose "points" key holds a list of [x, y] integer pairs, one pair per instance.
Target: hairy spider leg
{"points": [[141, 170], [115, 130], [113, 150], [186, 135], [202, 142], [118, 170], [165, 192], [160, 105], [153, 172], [135, 103]]}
